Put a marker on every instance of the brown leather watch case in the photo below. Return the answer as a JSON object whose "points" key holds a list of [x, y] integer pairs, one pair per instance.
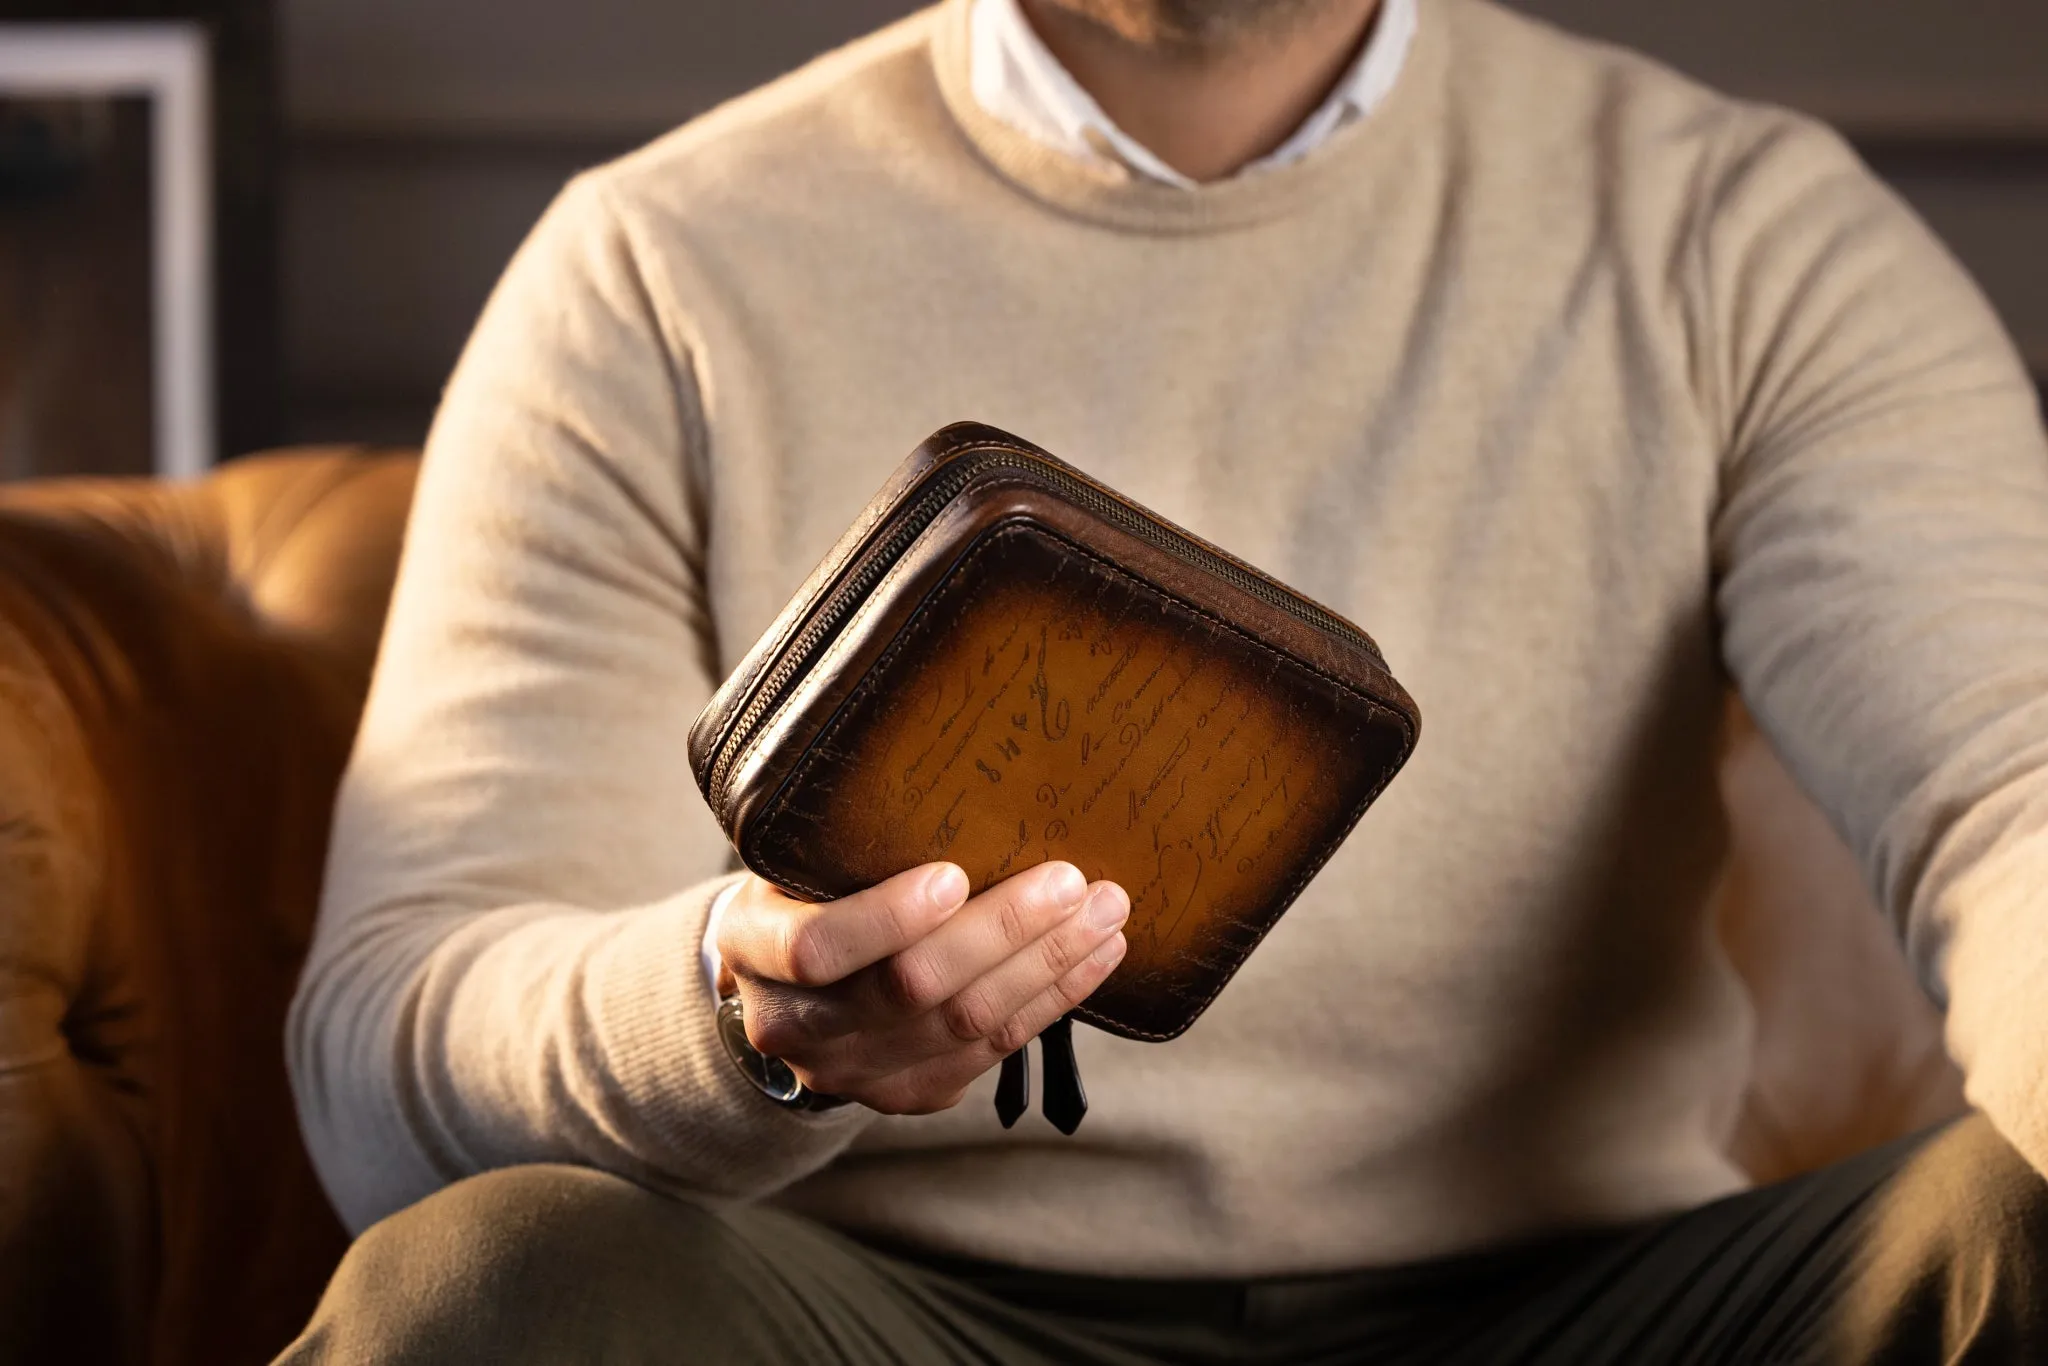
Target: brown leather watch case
{"points": [[1004, 662]]}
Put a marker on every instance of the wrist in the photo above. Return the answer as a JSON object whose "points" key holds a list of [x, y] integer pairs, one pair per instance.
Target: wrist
{"points": [[772, 1077]]}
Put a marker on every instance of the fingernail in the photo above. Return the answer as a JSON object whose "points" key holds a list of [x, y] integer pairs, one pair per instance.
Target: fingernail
{"points": [[1110, 950], [1107, 908], [947, 887], [1064, 885]]}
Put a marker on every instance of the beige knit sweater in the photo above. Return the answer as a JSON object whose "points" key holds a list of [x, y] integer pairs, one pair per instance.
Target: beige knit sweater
{"points": [[1571, 381]]}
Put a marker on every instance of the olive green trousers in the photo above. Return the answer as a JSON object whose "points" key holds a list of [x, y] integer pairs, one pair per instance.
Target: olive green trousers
{"points": [[1930, 1250]]}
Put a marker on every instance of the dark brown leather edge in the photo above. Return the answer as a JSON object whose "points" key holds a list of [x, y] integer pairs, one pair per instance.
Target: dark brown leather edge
{"points": [[992, 438], [942, 446], [778, 747], [1280, 907]]}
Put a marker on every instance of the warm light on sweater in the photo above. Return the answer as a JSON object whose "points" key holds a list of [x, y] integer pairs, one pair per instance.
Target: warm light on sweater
{"points": [[1569, 380]]}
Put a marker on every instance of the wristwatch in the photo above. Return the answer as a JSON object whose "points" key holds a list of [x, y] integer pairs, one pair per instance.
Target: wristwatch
{"points": [[770, 1076]]}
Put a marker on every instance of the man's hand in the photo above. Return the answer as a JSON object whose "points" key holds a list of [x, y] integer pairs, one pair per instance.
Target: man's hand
{"points": [[900, 996]]}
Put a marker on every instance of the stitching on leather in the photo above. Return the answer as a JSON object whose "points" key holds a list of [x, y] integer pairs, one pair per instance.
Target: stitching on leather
{"points": [[921, 625]]}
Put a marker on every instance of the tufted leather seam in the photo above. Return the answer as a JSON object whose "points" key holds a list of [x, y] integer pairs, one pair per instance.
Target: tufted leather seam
{"points": [[57, 1051], [283, 514]]}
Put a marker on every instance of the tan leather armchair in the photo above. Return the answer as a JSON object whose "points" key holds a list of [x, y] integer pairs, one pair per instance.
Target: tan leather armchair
{"points": [[181, 669]]}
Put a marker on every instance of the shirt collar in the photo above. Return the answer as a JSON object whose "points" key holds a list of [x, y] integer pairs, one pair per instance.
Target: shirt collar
{"points": [[1015, 78]]}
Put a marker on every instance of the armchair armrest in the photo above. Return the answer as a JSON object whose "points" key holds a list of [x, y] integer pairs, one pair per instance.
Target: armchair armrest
{"points": [[181, 669]]}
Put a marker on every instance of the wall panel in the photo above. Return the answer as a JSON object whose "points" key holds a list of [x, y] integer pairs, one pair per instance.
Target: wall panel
{"points": [[1992, 210], [389, 255], [523, 67], [427, 134], [1881, 68]]}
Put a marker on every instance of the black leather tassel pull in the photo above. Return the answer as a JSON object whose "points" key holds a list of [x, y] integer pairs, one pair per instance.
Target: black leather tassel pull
{"points": [[1064, 1102], [1013, 1088]]}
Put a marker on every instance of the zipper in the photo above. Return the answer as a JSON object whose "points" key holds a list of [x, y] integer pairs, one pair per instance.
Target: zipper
{"points": [[844, 597]]}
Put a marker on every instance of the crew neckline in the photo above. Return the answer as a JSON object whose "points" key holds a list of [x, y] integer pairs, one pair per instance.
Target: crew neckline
{"points": [[1112, 194], [1017, 78]]}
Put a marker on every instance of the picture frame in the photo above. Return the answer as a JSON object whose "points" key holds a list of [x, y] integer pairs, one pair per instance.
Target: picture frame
{"points": [[96, 120]]}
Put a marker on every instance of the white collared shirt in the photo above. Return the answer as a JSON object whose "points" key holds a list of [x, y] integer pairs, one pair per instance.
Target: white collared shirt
{"points": [[1015, 78]]}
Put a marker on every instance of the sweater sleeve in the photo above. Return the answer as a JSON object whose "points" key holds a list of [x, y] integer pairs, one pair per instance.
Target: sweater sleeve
{"points": [[1882, 558], [507, 965]]}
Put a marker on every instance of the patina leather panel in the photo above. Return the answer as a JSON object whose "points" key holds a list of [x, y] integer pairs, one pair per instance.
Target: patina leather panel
{"points": [[1046, 703]]}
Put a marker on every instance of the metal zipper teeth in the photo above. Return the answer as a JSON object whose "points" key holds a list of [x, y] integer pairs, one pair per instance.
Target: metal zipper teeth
{"points": [[796, 659]]}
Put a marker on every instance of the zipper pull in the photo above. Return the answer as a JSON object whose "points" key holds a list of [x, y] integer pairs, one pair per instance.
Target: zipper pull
{"points": [[1013, 1088], [1064, 1102]]}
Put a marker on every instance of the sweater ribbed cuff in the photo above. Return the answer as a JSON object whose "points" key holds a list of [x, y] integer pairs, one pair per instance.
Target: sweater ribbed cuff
{"points": [[702, 1125], [1995, 962]]}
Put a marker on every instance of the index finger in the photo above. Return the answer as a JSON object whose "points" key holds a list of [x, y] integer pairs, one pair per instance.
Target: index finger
{"points": [[767, 934]]}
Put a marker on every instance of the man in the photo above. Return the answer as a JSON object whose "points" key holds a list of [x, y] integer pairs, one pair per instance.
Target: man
{"points": [[1572, 381]]}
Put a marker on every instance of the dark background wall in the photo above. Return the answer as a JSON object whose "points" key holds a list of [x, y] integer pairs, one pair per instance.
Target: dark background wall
{"points": [[424, 136]]}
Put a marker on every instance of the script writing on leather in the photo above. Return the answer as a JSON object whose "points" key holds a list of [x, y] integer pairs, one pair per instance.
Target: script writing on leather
{"points": [[1045, 704]]}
